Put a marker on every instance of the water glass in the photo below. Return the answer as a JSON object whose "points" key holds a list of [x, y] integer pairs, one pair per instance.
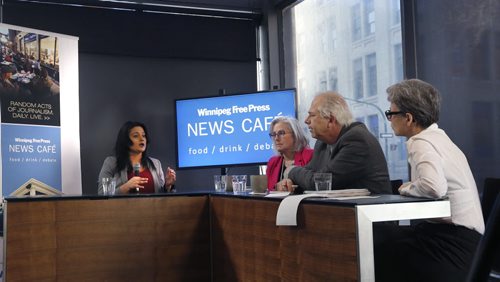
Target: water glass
{"points": [[108, 186], [323, 181], [220, 183], [239, 184]]}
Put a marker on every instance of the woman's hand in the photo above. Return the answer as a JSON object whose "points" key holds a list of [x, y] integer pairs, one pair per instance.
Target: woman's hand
{"points": [[135, 182], [170, 178]]}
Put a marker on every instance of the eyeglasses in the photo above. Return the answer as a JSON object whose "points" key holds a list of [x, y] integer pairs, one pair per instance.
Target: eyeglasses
{"points": [[389, 114], [280, 134]]}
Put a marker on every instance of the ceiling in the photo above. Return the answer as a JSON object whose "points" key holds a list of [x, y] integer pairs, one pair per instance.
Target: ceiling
{"points": [[225, 8], [246, 5]]}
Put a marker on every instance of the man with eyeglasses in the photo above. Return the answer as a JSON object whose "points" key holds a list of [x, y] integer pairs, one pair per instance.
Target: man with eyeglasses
{"points": [[344, 148]]}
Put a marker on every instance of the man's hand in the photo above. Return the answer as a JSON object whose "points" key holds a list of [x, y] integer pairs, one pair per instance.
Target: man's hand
{"points": [[285, 185]]}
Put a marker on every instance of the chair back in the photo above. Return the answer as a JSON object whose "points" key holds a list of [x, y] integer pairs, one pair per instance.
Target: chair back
{"points": [[395, 184], [491, 189], [488, 248]]}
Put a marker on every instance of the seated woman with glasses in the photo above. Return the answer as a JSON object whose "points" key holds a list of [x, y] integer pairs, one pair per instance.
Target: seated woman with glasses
{"points": [[291, 146], [438, 249]]}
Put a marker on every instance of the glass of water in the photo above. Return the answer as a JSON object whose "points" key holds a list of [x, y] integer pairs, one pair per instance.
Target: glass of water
{"points": [[239, 184], [220, 183], [323, 181], [108, 186]]}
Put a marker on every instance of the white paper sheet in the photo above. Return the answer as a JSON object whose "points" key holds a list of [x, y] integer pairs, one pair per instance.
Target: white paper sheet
{"points": [[353, 198], [287, 211], [278, 194]]}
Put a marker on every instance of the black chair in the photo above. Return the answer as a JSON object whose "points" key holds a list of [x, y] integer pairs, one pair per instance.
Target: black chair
{"points": [[395, 184], [491, 189], [489, 247]]}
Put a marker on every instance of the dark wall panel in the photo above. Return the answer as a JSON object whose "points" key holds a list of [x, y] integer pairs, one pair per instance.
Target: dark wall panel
{"points": [[134, 65], [138, 33], [458, 51], [114, 89]]}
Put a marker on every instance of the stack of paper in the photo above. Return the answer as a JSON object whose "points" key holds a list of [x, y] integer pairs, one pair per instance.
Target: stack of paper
{"points": [[340, 193], [277, 194]]}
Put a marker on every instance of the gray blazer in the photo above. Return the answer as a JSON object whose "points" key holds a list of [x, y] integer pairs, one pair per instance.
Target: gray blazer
{"points": [[356, 160], [109, 166]]}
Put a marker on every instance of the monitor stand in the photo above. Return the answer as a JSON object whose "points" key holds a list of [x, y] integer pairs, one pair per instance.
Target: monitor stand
{"points": [[223, 171]]}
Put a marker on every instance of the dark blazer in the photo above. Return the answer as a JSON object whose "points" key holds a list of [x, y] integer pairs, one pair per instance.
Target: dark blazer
{"points": [[356, 161]]}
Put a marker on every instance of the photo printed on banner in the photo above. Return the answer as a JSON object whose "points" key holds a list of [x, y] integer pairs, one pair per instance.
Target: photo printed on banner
{"points": [[29, 85]]}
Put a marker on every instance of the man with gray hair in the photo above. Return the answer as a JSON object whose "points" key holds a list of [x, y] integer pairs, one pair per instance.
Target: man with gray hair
{"points": [[344, 148]]}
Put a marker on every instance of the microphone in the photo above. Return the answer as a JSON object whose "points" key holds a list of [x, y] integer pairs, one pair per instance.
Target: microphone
{"points": [[137, 168]]}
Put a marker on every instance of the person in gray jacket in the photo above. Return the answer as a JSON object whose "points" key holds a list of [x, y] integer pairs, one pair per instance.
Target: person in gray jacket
{"points": [[131, 167], [344, 148]]}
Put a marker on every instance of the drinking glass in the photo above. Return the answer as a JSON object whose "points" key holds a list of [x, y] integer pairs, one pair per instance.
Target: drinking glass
{"points": [[108, 186], [220, 183], [323, 181], [239, 184]]}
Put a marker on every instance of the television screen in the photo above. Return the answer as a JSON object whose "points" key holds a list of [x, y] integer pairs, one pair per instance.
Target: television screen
{"points": [[229, 130]]}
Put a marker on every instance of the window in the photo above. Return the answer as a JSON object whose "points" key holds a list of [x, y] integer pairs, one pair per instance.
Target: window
{"points": [[333, 32], [356, 70], [398, 62], [373, 125], [356, 22], [48, 51], [323, 37], [322, 81], [396, 12], [369, 18], [371, 74], [357, 67], [332, 79]]}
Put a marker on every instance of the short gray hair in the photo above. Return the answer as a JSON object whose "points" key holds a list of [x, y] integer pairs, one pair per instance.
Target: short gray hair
{"points": [[299, 137], [333, 104], [418, 98]]}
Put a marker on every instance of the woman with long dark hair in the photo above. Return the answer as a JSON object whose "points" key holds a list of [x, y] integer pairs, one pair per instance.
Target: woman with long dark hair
{"points": [[131, 167]]}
